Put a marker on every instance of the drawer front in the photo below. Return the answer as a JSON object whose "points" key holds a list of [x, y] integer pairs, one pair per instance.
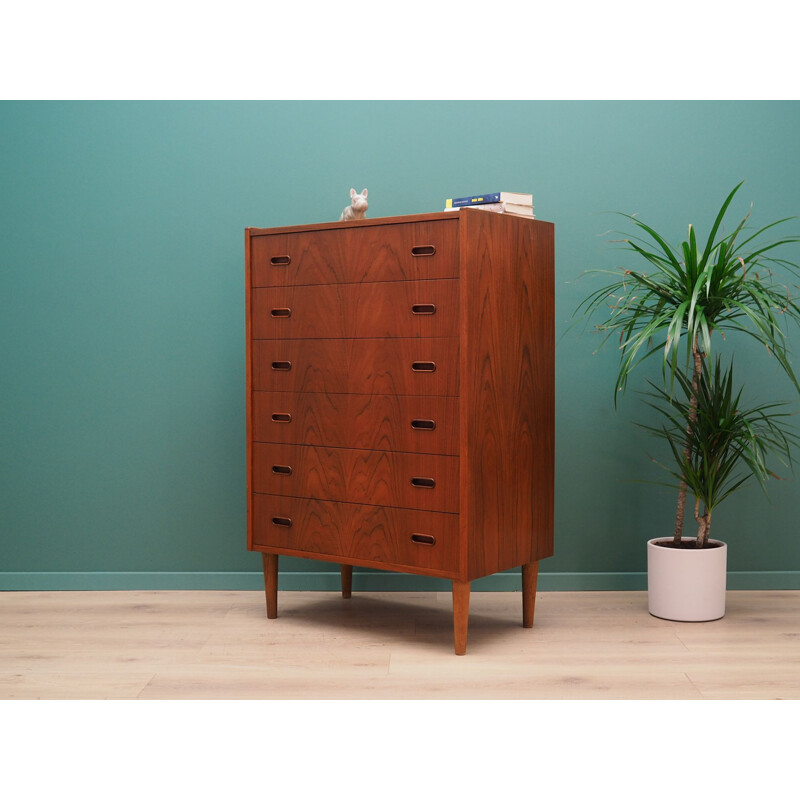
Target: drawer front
{"points": [[392, 252], [362, 366], [377, 477], [371, 422], [396, 537], [356, 310]]}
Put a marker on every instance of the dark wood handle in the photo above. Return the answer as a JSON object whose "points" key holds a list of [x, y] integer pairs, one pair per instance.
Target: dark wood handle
{"points": [[423, 250], [283, 522], [281, 416], [280, 469], [423, 366], [423, 308], [280, 261], [423, 538], [423, 483], [423, 424], [282, 366], [281, 312]]}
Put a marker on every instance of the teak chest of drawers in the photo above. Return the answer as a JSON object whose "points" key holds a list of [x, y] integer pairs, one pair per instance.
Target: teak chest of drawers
{"points": [[400, 398]]}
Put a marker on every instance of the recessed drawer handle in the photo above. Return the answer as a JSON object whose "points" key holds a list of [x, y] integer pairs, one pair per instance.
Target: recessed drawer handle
{"points": [[280, 261], [423, 538], [423, 308], [423, 483], [279, 469], [423, 424], [281, 312], [423, 366], [281, 417], [423, 250], [283, 522], [282, 366]]}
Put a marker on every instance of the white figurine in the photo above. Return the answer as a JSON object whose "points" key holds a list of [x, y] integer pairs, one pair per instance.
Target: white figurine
{"points": [[357, 208]]}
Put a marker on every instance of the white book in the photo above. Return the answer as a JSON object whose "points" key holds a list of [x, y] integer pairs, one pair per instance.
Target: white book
{"points": [[501, 208]]}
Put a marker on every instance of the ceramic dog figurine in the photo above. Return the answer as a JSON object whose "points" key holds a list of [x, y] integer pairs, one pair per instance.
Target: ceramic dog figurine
{"points": [[357, 208]]}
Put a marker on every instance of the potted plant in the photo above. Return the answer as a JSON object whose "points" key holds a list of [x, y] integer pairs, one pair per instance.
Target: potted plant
{"points": [[687, 294], [728, 444]]}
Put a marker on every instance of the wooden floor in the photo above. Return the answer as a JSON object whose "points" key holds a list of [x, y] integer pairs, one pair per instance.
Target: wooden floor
{"points": [[219, 645]]}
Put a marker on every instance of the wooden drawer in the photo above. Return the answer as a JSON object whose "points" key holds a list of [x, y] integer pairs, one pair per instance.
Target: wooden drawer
{"points": [[377, 477], [355, 310], [392, 252], [363, 366], [386, 537], [370, 422]]}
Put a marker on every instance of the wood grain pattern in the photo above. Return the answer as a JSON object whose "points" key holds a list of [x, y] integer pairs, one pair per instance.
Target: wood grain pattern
{"points": [[370, 222], [364, 421], [347, 581], [461, 591], [357, 310], [530, 573], [371, 536], [365, 366], [270, 564], [507, 394], [216, 645], [376, 477], [248, 333], [346, 254]]}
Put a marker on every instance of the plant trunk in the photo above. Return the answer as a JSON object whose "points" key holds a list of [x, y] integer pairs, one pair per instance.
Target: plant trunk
{"points": [[687, 453], [703, 525]]}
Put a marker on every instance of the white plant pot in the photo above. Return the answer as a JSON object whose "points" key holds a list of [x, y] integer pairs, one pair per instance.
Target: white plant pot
{"points": [[686, 585]]}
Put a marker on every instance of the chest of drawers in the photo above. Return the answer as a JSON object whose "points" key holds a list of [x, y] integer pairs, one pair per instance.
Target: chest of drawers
{"points": [[400, 398]]}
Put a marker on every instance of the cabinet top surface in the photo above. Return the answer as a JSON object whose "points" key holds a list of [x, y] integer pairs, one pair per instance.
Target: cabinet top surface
{"points": [[363, 223]]}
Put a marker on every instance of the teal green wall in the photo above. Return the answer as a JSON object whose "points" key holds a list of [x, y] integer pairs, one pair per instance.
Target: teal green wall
{"points": [[122, 314]]}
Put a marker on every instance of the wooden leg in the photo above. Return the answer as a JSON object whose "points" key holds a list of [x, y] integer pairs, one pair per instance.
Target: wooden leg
{"points": [[530, 572], [347, 580], [271, 583], [460, 615]]}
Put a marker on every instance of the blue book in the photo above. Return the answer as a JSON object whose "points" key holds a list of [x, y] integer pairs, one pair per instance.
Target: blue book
{"points": [[490, 197]]}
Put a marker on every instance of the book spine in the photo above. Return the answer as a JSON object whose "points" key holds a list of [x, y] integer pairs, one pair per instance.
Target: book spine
{"points": [[472, 200]]}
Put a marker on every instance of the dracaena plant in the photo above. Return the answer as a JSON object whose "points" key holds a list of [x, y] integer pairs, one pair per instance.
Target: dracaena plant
{"points": [[687, 293], [728, 443]]}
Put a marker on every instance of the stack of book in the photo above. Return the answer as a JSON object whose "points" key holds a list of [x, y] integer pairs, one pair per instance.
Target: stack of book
{"points": [[499, 202]]}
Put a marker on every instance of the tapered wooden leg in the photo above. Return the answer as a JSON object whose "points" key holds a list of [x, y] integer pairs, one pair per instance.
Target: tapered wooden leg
{"points": [[460, 615], [347, 580], [271, 583], [530, 572]]}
